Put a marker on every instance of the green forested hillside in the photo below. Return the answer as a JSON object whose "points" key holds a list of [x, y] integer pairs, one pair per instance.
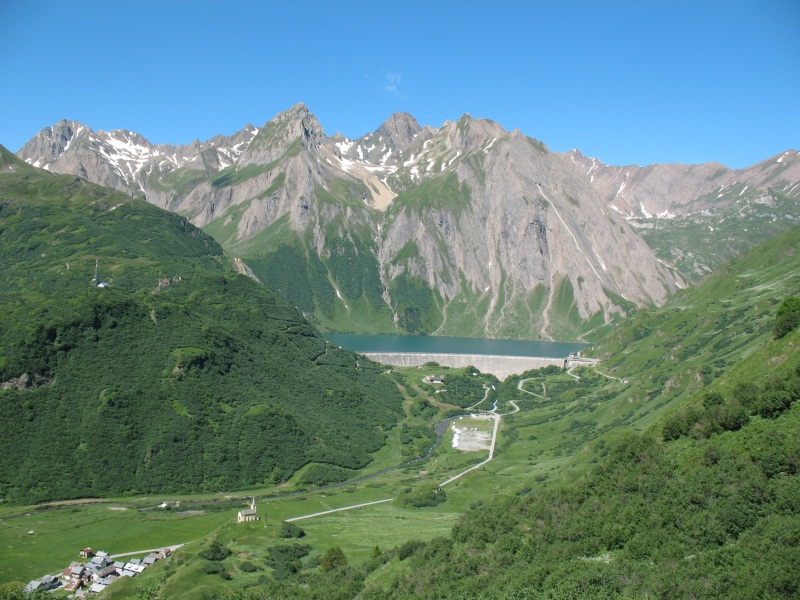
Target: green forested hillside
{"points": [[180, 375]]}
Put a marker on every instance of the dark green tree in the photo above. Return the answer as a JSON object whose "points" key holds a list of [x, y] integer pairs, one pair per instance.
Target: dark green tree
{"points": [[332, 559]]}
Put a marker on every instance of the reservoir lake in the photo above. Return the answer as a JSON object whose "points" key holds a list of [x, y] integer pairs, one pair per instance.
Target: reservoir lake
{"points": [[428, 344]]}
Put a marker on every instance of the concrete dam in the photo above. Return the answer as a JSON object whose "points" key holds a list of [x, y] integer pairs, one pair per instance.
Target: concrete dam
{"points": [[498, 365]]}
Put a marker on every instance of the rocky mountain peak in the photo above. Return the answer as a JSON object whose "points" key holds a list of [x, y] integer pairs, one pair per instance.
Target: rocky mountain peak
{"points": [[52, 142], [299, 108], [477, 215], [275, 137], [384, 147], [299, 121], [131, 137], [401, 128], [781, 169]]}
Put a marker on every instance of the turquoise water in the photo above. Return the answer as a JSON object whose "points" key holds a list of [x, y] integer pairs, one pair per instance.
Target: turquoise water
{"points": [[427, 344]]}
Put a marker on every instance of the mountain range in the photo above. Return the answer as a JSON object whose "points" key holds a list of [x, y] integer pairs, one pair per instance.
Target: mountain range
{"points": [[467, 229]]}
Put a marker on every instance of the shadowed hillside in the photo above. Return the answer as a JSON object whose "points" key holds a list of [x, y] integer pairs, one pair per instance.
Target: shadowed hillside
{"points": [[179, 375]]}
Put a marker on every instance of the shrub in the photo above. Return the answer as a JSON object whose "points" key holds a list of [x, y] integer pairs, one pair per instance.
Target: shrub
{"points": [[747, 394], [249, 567], [773, 403], [733, 417], [285, 560], [787, 318], [216, 552], [421, 497], [713, 399], [675, 426], [287, 552], [408, 549], [290, 530]]}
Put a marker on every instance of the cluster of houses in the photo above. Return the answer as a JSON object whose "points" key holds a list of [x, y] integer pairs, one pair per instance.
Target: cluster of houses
{"points": [[99, 571]]}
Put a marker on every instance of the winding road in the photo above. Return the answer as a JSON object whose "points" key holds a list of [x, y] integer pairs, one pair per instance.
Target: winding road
{"points": [[520, 388], [482, 400], [611, 377], [170, 548]]}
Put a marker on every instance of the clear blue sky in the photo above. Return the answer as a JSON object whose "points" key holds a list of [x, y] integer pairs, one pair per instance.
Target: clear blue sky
{"points": [[630, 82]]}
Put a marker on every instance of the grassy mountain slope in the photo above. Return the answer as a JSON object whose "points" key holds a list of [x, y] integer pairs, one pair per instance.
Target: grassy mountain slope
{"points": [[697, 477], [181, 375], [702, 242]]}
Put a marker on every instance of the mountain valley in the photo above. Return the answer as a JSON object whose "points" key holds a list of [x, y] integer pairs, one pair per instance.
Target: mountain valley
{"points": [[697, 397], [160, 309]]}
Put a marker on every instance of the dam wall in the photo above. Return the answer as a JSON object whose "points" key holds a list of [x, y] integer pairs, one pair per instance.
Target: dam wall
{"points": [[500, 366]]}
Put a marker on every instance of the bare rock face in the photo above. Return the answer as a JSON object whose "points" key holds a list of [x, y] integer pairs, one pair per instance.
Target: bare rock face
{"points": [[466, 229], [697, 217], [51, 142], [401, 129], [518, 219]]}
